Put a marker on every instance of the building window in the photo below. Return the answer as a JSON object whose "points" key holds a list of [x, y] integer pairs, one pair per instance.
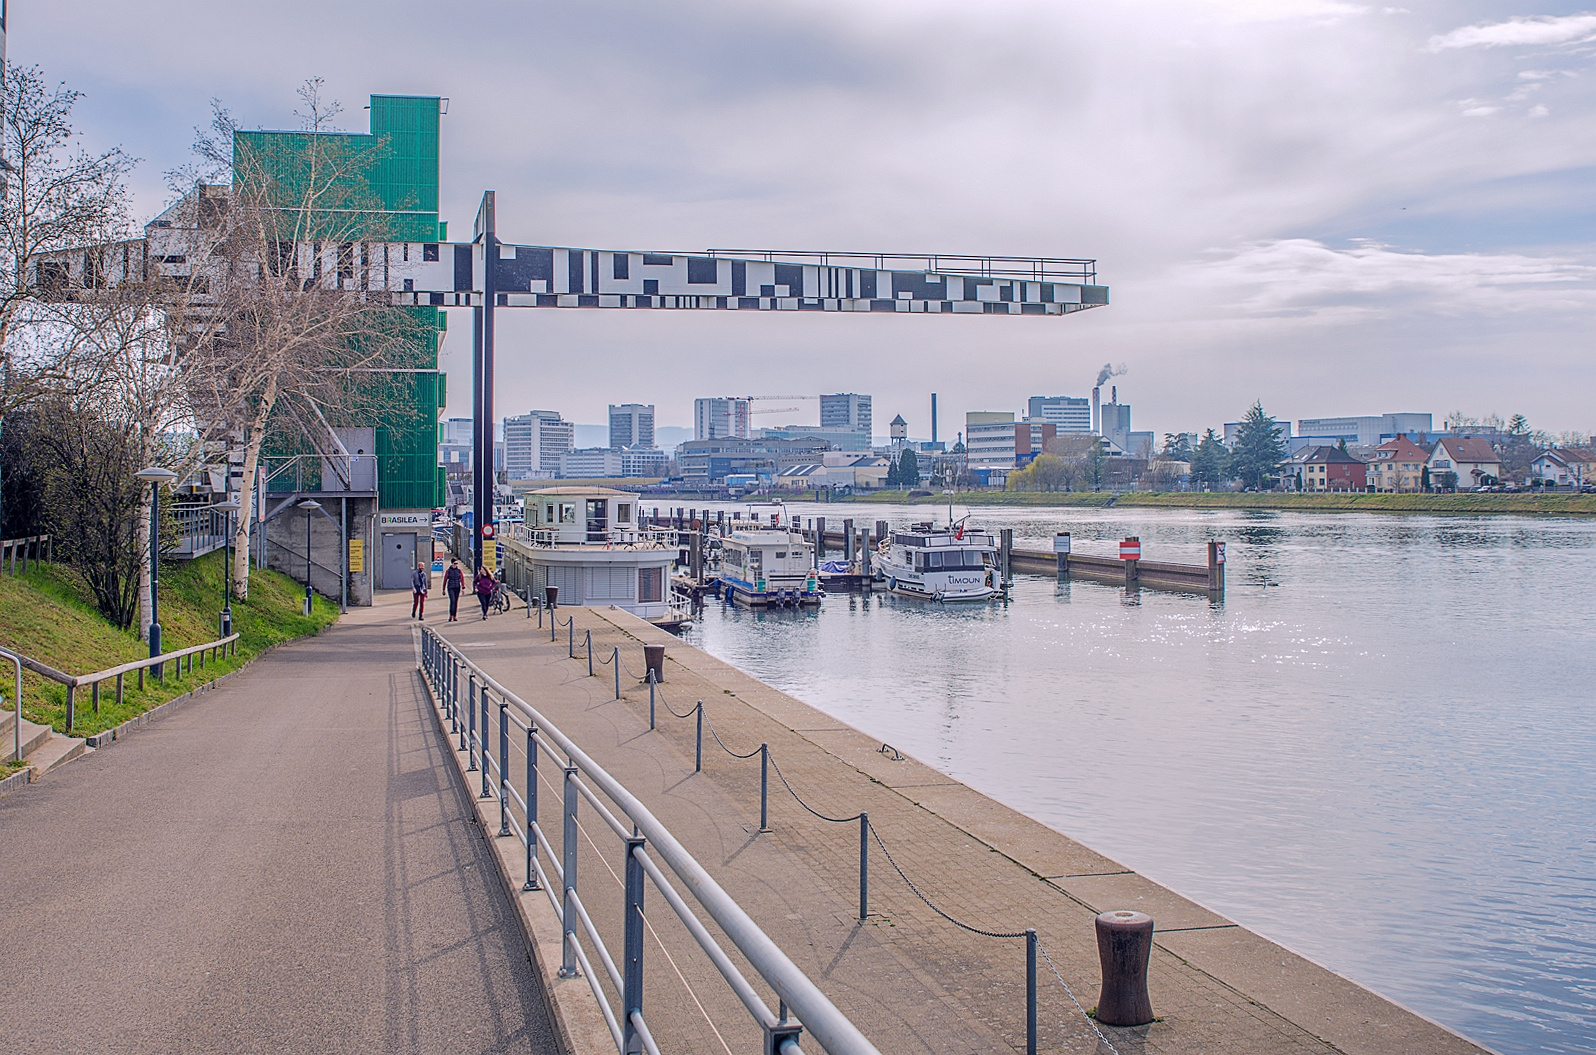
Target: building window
{"points": [[623, 513], [650, 585]]}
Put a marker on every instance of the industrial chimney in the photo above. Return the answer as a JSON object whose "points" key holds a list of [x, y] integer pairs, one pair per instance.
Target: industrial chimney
{"points": [[933, 417], [1097, 420]]}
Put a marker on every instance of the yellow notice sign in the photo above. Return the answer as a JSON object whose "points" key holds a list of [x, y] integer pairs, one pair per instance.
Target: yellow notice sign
{"points": [[490, 556], [357, 554]]}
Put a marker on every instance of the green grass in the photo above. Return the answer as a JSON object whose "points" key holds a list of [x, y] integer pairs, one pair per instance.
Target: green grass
{"points": [[1520, 504], [48, 615]]}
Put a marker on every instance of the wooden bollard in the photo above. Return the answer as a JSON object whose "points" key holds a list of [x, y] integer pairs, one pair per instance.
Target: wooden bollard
{"points": [[1124, 947]]}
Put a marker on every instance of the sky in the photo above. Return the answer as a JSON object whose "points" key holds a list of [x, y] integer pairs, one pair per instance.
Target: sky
{"points": [[1332, 208]]}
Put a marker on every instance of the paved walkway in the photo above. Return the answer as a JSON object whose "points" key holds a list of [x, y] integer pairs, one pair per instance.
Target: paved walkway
{"points": [[284, 865], [910, 979]]}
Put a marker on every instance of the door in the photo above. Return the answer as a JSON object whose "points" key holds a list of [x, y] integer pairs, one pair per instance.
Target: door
{"points": [[398, 560], [598, 521]]}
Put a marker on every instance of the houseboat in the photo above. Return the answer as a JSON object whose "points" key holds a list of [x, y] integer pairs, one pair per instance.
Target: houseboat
{"points": [[768, 567], [586, 542], [938, 563]]}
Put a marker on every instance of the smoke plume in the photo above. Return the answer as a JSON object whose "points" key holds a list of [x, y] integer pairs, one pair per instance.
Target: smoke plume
{"points": [[1109, 370]]}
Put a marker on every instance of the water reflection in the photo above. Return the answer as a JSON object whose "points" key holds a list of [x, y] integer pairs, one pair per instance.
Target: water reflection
{"points": [[1386, 720]]}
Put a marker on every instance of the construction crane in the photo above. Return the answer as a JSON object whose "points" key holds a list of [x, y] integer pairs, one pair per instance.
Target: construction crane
{"points": [[486, 274]]}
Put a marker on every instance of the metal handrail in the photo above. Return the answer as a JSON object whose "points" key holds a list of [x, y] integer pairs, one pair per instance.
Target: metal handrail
{"points": [[73, 682], [17, 729], [443, 665]]}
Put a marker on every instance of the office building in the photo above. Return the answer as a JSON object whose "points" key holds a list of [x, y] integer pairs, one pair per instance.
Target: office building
{"points": [[719, 418], [710, 461], [846, 410], [1068, 413], [535, 442], [842, 439], [631, 425], [989, 439]]}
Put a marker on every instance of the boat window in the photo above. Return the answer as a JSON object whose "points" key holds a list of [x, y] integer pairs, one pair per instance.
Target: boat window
{"points": [[650, 585], [933, 560], [781, 554], [548, 517], [755, 558], [567, 512], [623, 513]]}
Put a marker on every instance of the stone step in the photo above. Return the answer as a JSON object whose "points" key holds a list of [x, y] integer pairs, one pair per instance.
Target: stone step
{"points": [[33, 737], [56, 752]]}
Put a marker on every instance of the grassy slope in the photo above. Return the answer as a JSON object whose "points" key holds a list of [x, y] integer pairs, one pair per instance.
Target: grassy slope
{"points": [[1523, 504], [48, 615]]}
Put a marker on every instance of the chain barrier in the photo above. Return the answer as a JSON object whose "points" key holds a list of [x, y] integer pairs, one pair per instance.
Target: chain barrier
{"points": [[933, 905], [1090, 1021], [805, 805]]}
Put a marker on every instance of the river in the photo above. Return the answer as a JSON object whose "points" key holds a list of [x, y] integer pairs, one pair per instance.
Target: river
{"points": [[1377, 750]]}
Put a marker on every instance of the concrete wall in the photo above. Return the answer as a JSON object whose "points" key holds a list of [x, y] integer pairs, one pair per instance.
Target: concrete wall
{"points": [[285, 547]]}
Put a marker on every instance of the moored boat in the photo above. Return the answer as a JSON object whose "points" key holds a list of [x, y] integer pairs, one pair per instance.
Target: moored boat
{"points": [[938, 563], [768, 567]]}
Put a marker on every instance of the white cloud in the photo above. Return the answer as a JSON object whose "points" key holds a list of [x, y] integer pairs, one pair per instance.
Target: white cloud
{"points": [[1300, 277], [1538, 110], [1533, 31], [1480, 111]]}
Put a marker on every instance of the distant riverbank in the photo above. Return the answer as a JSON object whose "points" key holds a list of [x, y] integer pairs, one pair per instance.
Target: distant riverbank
{"points": [[1473, 504]]}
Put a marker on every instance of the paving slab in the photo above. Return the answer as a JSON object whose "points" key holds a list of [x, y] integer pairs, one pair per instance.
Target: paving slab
{"points": [[286, 865], [910, 978]]}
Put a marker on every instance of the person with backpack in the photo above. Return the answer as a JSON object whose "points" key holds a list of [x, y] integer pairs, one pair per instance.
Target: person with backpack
{"points": [[484, 584], [453, 583]]}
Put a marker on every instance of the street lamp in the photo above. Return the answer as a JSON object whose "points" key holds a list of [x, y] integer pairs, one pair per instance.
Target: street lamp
{"points": [[228, 508], [309, 505], [155, 476]]}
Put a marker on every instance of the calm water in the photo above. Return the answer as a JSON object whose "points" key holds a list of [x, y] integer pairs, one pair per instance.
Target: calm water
{"points": [[1378, 750]]}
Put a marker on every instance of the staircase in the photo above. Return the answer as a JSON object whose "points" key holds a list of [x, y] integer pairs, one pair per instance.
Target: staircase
{"points": [[42, 747]]}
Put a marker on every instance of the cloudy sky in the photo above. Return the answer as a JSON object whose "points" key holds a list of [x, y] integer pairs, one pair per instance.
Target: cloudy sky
{"points": [[1336, 208]]}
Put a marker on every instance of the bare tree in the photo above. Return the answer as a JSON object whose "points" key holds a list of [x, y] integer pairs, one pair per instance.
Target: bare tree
{"points": [[293, 342]]}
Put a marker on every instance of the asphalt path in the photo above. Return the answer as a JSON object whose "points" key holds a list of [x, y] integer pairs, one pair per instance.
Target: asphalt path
{"points": [[285, 865]]}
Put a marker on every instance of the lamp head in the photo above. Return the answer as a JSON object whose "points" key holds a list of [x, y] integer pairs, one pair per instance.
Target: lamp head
{"points": [[232, 505], [308, 504], [154, 474]]}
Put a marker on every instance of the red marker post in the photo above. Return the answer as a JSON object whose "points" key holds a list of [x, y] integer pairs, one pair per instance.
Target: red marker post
{"points": [[1130, 551]]}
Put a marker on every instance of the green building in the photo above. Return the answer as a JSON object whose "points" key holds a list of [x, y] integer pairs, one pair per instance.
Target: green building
{"points": [[399, 177]]}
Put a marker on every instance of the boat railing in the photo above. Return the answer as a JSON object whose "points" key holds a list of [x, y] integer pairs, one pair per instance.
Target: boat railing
{"points": [[613, 538]]}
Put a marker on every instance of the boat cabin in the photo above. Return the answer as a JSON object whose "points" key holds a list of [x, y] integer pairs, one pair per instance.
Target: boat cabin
{"points": [[562, 515]]}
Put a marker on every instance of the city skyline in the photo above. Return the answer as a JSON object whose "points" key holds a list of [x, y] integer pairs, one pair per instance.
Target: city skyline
{"points": [[1281, 195]]}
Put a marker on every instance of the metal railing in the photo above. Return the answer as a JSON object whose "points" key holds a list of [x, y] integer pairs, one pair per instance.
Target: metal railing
{"points": [[620, 538], [467, 694], [40, 548], [222, 646], [1033, 268]]}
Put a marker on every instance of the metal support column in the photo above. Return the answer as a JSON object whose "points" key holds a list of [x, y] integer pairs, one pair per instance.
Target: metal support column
{"points": [[568, 901]]}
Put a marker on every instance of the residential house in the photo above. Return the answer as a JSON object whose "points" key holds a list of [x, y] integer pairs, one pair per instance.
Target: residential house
{"points": [[1564, 466], [1463, 464], [1397, 466], [1332, 469]]}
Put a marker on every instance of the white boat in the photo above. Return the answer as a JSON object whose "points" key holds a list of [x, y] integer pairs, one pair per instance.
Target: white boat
{"points": [[938, 563], [768, 567], [586, 542]]}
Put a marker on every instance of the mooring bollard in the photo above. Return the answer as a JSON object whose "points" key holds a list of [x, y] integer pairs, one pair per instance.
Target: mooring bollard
{"points": [[654, 660], [1124, 946]]}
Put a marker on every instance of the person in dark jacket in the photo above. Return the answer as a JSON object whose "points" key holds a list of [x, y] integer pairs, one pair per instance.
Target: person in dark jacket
{"points": [[484, 584], [420, 583], [453, 583]]}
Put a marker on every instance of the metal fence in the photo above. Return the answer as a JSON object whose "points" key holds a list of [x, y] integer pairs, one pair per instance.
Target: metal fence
{"points": [[221, 647], [469, 697]]}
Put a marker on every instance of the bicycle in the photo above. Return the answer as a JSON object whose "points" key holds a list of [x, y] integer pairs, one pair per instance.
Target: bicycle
{"points": [[501, 598]]}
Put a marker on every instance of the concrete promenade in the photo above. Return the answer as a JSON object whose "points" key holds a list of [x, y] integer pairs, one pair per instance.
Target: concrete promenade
{"points": [[287, 864], [911, 980]]}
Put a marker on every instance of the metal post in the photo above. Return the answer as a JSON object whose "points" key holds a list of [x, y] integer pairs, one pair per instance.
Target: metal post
{"points": [[589, 647], [483, 744], [155, 575], [308, 598], [343, 556], [504, 768], [864, 867], [615, 661], [570, 637], [632, 957], [698, 756], [764, 787], [468, 741], [531, 807], [452, 680], [1030, 991], [568, 909], [650, 699], [70, 707]]}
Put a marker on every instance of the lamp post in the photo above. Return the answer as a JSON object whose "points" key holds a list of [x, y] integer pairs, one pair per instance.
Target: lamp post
{"points": [[228, 508], [155, 476], [309, 506]]}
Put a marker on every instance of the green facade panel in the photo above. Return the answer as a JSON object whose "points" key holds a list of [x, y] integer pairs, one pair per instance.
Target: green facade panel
{"points": [[396, 199]]}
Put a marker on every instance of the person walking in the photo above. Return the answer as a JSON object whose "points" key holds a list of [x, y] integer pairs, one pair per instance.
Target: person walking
{"points": [[453, 583], [484, 584], [420, 583]]}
